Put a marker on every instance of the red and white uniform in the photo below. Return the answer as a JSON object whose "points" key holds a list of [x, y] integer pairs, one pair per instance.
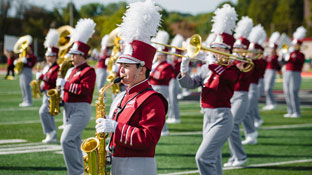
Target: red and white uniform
{"points": [[219, 88], [272, 62], [102, 59], [162, 74], [31, 60], [295, 62], [79, 85], [140, 123], [49, 78]]}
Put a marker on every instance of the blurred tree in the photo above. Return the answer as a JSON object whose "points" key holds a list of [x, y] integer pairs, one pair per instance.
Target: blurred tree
{"points": [[261, 12], [66, 14], [92, 10], [287, 16], [5, 5], [242, 7]]}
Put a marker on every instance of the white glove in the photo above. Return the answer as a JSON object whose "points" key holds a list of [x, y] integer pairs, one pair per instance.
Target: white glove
{"points": [[185, 64], [24, 60], [211, 58], [14, 62], [60, 82], [105, 125], [38, 74]]}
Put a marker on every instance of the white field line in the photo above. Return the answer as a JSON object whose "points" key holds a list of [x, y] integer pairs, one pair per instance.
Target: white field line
{"points": [[249, 166], [20, 145], [29, 149], [12, 141], [19, 109], [262, 128], [26, 122]]}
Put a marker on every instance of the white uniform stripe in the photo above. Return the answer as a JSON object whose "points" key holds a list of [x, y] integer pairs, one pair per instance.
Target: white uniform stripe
{"points": [[131, 136], [127, 134], [122, 130], [76, 88], [222, 71], [70, 87]]}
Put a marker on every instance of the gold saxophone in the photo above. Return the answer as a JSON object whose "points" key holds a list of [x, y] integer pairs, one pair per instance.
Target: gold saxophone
{"points": [[95, 161], [35, 88], [20, 47], [112, 60], [55, 94]]}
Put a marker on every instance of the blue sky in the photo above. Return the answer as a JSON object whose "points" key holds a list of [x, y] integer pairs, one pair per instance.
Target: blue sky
{"points": [[186, 6]]}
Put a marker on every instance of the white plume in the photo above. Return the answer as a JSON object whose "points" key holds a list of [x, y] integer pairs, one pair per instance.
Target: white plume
{"points": [[256, 33], [263, 38], [243, 27], [52, 38], [104, 42], [210, 39], [274, 38], [162, 37], [177, 41], [140, 22], [300, 33], [84, 29], [224, 20]]}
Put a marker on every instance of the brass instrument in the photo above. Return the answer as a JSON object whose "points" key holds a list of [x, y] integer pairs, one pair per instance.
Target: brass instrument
{"points": [[95, 161], [55, 94], [113, 39], [20, 47], [194, 46], [35, 84], [64, 42]]}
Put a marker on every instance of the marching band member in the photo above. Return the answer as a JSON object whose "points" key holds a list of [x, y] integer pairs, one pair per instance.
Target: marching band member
{"points": [[239, 101], [78, 87], [101, 66], [251, 133], [292, 74], [262, 65], [174, 111], [141, 112], [162, 71], [26, 75], [218, 85], [49, 76], [270, 71], [10, 57]]}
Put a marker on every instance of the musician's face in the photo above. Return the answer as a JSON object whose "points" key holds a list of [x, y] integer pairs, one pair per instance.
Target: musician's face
{"points": [[131, 73], [50, 59], [77, 59], [219, 56]]}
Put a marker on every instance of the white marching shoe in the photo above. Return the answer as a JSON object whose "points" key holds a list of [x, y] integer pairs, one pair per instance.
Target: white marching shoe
{"points": [[238, 163], [173, 121], [295, 115], [228, 164], [24, 104], [268, 107], [50, 137], [258, 123], [287, 115], [164, 133], [251, 139]]}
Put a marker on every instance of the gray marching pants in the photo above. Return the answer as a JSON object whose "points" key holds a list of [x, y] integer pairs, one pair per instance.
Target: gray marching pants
{"points": [[163, 90], [239, 103], [47, 120], [261, 87], [133, 166], [269, 80], [174, 111], [101, 75], [24, 80], [217, 127], [248, 122], [291, 86], [77, 118]]}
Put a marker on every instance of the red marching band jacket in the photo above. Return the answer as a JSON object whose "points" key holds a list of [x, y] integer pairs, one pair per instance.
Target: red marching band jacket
{"points": [[219, 88], [272, 62], [296, 61], [176, 67], [162, 74], [80, 84], [244, 81], [140, 123], [11, 60], [102, 59], [31, 60], [263, 64], [49, 78], [258, 72]]}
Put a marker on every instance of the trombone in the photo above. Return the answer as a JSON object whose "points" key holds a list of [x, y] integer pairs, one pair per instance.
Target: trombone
{"points": [[194, 46]]}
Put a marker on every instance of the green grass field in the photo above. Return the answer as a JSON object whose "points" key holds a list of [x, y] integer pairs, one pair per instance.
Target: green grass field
{"points": [[277, 143]]}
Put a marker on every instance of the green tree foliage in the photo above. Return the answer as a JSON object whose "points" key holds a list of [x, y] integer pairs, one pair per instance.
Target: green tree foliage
{"points": [[92, 10], [242, 7]]}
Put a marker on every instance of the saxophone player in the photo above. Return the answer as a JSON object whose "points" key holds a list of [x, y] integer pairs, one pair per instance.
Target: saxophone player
{"points": [[141, 112], [49, 76], [78, 87]]}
